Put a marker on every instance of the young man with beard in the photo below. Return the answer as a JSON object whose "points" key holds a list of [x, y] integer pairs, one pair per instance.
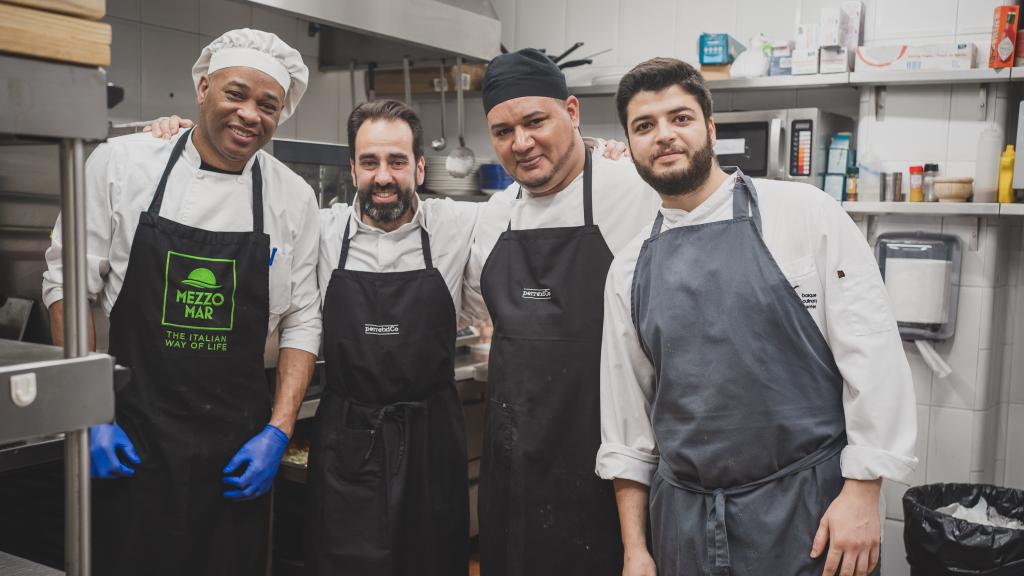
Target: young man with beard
{"points": [[753, 384], [389, 494], [197, 249], [540, 259]]}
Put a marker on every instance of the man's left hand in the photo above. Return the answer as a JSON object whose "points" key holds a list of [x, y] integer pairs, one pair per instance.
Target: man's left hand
{"points": [[851, 530], [257, 461]]}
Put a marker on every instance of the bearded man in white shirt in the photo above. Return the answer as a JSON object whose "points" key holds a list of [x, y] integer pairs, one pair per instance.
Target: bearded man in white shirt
{"points": [[754, 389]]}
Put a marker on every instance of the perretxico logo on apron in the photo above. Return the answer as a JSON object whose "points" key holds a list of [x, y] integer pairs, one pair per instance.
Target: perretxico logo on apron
{"points": [[199, 294], [381, 329], [537, 293]]}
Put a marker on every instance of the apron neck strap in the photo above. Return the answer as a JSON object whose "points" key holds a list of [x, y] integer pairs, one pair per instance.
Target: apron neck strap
{"points": [[588, 193], [257, 184], [656, 227], [428, 260], [744, 199]]}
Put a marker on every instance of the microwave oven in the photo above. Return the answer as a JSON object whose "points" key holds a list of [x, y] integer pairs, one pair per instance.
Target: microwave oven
{"points": [[789, 144]]}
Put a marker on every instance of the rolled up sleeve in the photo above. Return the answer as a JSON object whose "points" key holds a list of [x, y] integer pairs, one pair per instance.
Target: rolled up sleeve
{"points": [[101, 187], [628, 450], [878, 395], [300, 325]]}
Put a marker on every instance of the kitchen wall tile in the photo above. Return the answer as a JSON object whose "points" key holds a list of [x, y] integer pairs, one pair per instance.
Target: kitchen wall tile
{"points": [[127, 9], [894, 554], [986, 388], [975, 16], [646, 33], [182, 15], [772, 100], [1000, 476], [897, 21], [1002, 425], [308, 46], [994, 253], [921, 374], [1017, 354], [591, 24], [1006, 385], [961, 353], [983, 439], [964, 126], [714, 17], [972, 260], [167, 59], [218, 16], [1015, 447], [964, 169], [547, 31], [986, 332], [775, 19], [317, 118], [124, 69], [949, 445], [893, 493], [910, 128], [844, 101], [279, 23]]}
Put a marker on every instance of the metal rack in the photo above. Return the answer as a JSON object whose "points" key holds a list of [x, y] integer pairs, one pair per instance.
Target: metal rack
{"points": [[44, 390]]}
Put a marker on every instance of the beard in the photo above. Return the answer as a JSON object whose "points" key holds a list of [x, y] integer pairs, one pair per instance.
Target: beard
{"points": [[390, 212], [680, 181]]}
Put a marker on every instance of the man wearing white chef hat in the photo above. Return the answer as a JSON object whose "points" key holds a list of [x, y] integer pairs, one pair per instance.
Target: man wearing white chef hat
{"points": [[198, 248], [753, 383]]}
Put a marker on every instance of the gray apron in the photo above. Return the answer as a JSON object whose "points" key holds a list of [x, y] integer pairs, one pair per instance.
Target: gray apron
{"points": [[748, 412]]}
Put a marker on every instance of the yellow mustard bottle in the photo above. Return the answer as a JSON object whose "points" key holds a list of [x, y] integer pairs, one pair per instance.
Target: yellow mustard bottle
{"points": [[1006, 175]]}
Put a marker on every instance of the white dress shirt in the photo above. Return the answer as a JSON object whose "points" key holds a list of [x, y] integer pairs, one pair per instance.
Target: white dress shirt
{"points": [[121, 177], [622, 203], [449, 225], [811, 238]]}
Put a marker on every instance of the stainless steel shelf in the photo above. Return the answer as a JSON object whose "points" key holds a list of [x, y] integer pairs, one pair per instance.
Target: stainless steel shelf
{"points": [[852, 79], [923, 208], [1011, 209], [50, 100]]}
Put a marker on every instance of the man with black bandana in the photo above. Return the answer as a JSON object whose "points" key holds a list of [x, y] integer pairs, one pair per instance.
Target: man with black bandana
{"points": [[539, 261]]}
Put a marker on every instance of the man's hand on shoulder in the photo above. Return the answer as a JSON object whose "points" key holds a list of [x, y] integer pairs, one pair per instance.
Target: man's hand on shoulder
{"points": [[167, 126]]}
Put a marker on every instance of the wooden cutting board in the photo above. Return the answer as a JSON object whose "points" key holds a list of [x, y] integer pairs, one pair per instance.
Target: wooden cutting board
{"points": [[92, 9], [41, 34]]}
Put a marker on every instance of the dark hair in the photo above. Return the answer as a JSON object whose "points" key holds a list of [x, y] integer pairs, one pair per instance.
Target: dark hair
{"points": [[657, 74], [385, 110]]}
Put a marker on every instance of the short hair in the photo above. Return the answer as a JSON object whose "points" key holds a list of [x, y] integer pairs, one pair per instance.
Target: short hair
{"points": [[388, 110], [657, 74]]}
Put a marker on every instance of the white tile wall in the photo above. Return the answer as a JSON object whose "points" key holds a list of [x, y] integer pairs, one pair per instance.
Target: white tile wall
{"points": [[1015, 447], [167, 59], [125, 70], [949, 445], [180, 15], [961, 353], [894, 555], [218, 16]]}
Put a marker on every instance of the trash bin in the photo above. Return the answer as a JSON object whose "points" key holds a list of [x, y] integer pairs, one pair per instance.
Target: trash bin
{"points": [[940, 545]]}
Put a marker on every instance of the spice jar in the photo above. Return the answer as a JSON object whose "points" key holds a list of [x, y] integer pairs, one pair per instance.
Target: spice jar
{"points": [[851, 183], [930, 172], [917, 183]]}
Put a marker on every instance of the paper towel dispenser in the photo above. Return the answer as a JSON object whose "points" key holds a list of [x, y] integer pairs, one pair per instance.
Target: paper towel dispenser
{"points": [[922, 275]]}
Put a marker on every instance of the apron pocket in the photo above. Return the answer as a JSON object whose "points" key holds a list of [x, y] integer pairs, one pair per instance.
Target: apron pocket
{"points": [[355, 455]]}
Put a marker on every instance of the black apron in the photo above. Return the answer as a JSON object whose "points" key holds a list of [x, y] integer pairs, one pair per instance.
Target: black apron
{"points": [[388, 479], [748, 411], [543, 510], [191, 323]]}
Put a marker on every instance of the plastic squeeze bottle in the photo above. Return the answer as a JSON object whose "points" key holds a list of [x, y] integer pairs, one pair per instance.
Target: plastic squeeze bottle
{"points": [[1006, 175]]}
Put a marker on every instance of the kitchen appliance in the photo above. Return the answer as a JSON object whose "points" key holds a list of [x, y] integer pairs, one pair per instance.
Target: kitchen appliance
{"points": [[325, 167], [779, 144]]}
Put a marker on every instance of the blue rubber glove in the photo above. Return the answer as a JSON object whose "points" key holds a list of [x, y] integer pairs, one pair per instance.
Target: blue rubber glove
{"points": [[257, 461], [105, 440]]}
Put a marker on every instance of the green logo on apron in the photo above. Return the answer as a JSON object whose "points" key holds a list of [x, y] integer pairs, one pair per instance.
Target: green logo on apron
{"points": [[199, 293]]}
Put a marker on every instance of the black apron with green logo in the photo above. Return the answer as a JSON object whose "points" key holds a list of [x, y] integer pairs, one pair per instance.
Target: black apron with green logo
{"points": [[543, 510], [191, 323], [388, 483]]}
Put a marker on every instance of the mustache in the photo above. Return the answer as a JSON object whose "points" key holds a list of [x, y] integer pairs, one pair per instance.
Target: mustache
{"points": [[667, 150]]}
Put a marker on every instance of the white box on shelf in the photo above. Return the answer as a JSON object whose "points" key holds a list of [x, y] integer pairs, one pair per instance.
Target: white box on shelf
{"points": [[958, 56], [805, 61], [831, 26], [853, 11], [835, 59]]}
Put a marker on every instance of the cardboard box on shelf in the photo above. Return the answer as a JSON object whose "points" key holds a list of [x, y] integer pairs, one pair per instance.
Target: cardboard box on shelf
{"points": [[719, 48], [1004, 37], [805, 61], [835, 59], [716, 71], [958, 56], [853, 17]]}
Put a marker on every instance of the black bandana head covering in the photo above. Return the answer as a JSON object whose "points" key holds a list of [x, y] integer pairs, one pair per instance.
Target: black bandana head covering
{"points": [[527, 72]]}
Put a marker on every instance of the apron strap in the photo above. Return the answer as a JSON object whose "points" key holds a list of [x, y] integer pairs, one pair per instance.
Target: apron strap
{"points": [[588, 193], [345, 241], [428, 261], [744, 199], [658, 222], [257, 184]]}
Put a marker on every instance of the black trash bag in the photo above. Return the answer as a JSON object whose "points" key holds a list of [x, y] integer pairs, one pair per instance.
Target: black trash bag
{"points": [[940, 545]]}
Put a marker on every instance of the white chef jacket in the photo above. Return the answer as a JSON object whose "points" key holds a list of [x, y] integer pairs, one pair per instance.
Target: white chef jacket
{"points": [[121, 177], [622, 204], [811, 238], [449, 225]]}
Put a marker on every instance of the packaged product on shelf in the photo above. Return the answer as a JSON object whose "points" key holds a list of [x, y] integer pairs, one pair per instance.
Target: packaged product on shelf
{"points": [[1004, 37], [719, 48], [948, 56]]}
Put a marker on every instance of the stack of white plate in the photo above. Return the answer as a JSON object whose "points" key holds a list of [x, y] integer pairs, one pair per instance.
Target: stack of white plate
{"points": [[439, 181]]}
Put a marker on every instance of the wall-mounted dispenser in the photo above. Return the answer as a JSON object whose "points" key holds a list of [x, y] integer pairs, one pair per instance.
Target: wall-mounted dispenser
{"points": [[922, 275]]}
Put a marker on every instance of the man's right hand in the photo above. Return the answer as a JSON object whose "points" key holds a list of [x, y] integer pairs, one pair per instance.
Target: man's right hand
{"points": [[105, 440], [168, 126], [638, 563]]}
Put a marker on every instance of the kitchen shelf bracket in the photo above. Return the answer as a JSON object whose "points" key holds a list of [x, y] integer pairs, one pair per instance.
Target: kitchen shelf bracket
{"points": [[880, 94]]}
